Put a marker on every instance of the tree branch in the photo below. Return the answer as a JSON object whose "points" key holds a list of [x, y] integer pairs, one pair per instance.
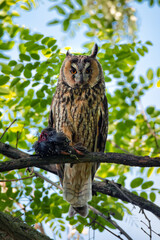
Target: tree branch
{"points": [[23, 160], [27, 160], [110, 189], [111, 221], [13, 228]]}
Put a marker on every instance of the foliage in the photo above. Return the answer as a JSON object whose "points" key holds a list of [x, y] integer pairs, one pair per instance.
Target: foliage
{"points": [[28, 82]]}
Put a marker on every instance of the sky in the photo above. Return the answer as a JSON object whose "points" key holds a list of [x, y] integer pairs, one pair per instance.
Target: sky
{"points": [[149, 19]]}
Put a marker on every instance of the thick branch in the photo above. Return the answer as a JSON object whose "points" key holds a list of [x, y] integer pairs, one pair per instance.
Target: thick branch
{"points": [[117, 191], [31, 161], [13, 228], [14, 153]]}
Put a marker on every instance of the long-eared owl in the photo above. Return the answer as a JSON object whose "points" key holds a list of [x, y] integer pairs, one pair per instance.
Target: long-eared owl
{"points": [[79, 109]]}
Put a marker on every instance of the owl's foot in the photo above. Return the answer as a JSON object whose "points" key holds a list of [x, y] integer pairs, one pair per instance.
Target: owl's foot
{"points": [[80, 149]]}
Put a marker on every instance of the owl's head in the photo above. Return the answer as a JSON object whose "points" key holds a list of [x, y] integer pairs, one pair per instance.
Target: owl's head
{"points": [[81, 71]]}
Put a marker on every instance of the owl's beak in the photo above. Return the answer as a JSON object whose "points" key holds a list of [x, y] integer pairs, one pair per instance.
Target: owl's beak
{"points": [[80, 80]]}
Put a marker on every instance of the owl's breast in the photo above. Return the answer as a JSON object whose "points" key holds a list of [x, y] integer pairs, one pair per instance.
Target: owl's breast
{"points": [[76, 115], [84, 122]]}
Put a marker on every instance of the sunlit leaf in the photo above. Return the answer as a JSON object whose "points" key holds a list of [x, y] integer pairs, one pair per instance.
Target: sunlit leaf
{"points": [[4, 91], [150, 74]]}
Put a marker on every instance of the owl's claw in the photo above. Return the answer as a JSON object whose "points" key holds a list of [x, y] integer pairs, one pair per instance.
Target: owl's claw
{"points": [[78, 152]]}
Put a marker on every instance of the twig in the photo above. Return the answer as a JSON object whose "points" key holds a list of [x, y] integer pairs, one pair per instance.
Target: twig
{"points": [[47, 180], [149, 224], [7, 128], [40, 228], [94, 221], [18, 136], [117, 146], [145, 232], [111, 221], [17, 179], [116, 186], [158, 234], [17, 139]]}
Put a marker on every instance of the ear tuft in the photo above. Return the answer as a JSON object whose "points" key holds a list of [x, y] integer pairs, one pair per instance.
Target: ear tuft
{"points": [[94, 51], [68, 54]]}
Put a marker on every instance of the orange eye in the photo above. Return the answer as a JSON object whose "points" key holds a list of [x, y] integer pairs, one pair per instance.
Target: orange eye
{"points": [[88, 70], [73, 70]]}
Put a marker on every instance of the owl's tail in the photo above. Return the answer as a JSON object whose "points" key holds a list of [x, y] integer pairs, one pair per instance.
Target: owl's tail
{"points": [[83, 211], [77, 187]]}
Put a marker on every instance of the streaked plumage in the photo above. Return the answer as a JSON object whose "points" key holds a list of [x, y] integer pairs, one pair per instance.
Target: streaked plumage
{"points": [[79, 110]]}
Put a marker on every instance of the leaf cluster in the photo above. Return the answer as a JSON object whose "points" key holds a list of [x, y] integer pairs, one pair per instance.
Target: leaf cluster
{"points": [[28, 82]]}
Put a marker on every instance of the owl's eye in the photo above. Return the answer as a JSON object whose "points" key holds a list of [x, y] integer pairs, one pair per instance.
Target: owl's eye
{"points": [[88, 70], [73, 70]]}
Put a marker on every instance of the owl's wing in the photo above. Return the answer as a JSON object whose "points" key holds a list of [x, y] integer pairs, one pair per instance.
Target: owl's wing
{"points": [[59, 167], [51, 117], [102, 130], [102, 126]]}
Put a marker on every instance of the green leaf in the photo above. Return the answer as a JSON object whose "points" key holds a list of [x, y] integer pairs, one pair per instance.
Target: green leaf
{"points": [[40, 94], [152, 196], [136, 182], [25, 84], [45, 40], [4, 56], [151, 2], [150, 74], [51, 43], [60, 10], [150, 171], [116, 214], [34, 102], [35, 56], [150, 110], [80, 228], [80, 2], [140, 51], [145, 49], [147, 184], [19, 67], [24, 57], [24, 7], [142, 80], [144, 195], [38, 36], [4, 91], [12, 63], [27, 73], [108, 79], [3, 80], [46, 52], [65, 24], [149, 43], [158, 171], [158, 72], [53, 22], [14, 81], [6, 69]]}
